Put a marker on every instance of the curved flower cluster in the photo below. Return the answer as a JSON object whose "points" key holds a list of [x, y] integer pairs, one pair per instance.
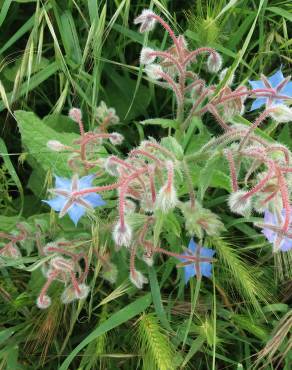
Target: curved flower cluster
{"points": [[154, 179], [65, 267]]}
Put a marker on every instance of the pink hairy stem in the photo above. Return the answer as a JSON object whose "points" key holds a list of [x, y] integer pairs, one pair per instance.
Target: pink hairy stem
{"points": [[182, 256], [285, 198], [123, 192], [192, 111], [256, 123], [282, 149], [196, 52], [262, 183], [195, 83], [172, 83], [219, 119], [97, 189], [286, 169], [128, 166], [132, 260], [232, 170], [170, 32], [52, 276], [151, 172], [160, 148], [75, 282], [146, 154], [166, 55]]}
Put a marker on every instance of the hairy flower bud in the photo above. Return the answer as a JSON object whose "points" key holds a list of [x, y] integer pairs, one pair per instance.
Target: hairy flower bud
{"points": [[214, 62], [222, 76], [201, 220], [282, 113], [166, 198], [116, 138], [138, 279], [146, 57], [75, 114], [43, 302], [238, 204], [82, 291], [122, 234], [146, 20], [153, 71], [70, 294], [148, 259], [111, 166], [55, 145]]}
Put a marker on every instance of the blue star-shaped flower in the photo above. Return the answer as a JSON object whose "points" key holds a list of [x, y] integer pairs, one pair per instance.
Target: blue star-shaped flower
{"points": [[190, 267], [281, 85], [75, 205], [272, 219]]}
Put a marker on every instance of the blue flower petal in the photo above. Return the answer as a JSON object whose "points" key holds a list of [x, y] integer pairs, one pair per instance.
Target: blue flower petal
{"points": [[62, 183], [56, 203], [258, 103], [192, 245], [85, 182], [286, 245], [257, 84], [95, 200], [75, 212], [276, 102], [207, 252], [276, 78], [287, 90], [206, 269], [189, 272]]}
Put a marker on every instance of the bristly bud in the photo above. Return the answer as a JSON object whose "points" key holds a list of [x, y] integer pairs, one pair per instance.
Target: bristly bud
{"points": [[62, 264], [146, 57], [201, 220], [83, 291], [70, 294], [148, 260], [282, 113], [122, 234], [111, 166], [75, 114], [55, 145], [43, 302], [138, 279], [116, 138], [146, 20], [214, 62], [222, 76], [166, 198], [239, 204], [154, 71]]}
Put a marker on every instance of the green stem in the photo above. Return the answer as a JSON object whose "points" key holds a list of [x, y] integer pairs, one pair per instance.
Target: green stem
{"points": [[214, 324], [194, 298]]}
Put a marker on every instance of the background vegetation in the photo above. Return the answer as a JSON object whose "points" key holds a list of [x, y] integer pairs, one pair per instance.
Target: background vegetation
{"points": [[59, 54]]}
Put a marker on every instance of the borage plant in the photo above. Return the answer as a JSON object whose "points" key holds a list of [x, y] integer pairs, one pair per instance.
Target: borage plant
{"points": [[155, 186]]}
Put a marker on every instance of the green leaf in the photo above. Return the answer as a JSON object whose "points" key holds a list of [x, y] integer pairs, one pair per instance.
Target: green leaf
{"points": [[282, 12], [173, 146], [35, 135], [163, 122], [118, 318], [207, 174], [11, 170], [157, 301]]}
